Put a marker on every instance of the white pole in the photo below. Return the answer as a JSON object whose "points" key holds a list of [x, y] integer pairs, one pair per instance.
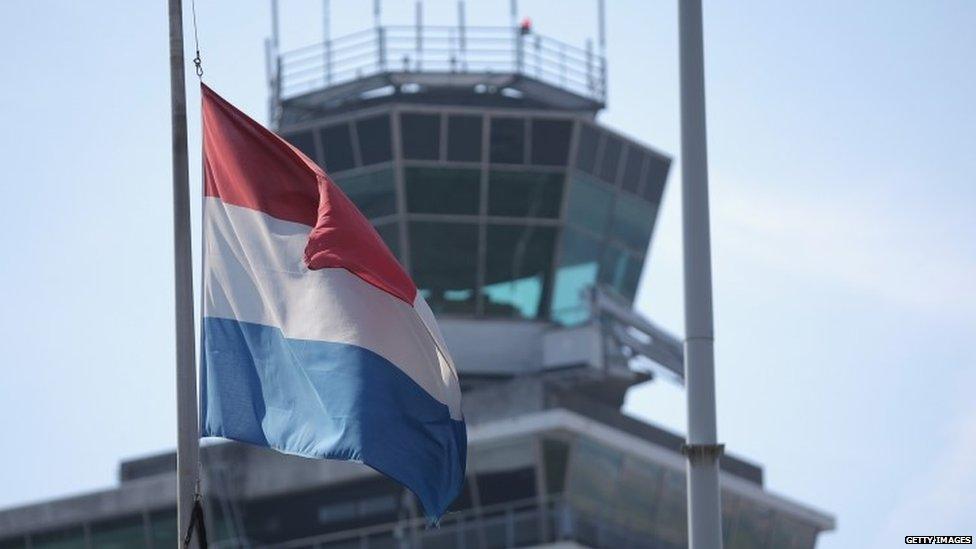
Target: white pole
{"points": [[188, 433], [702, 448]]}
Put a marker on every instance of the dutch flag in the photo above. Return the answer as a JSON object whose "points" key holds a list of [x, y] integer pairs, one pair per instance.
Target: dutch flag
{"points": [[315, 341]]}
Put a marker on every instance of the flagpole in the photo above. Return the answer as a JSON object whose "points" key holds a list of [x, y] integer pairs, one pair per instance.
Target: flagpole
{"points": [[702, 449], [188, 434]]}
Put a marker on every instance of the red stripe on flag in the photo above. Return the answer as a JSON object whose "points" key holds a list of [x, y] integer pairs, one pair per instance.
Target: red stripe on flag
{"points": [[247, 165]]}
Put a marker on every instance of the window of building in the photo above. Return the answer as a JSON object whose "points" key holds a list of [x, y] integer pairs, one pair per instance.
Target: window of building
{"points": [[337, 512], [633, 221], [633, 167], [14, 543], [162, 528], [610, 159], [305, 142], [589, 203], [420, 135], [374, 193], [655, 176], [444, 260], [443, 190], [621, 271], [593, 479], [378, 505], [555, 456], [390, 233], [73, 538], [337, 147], [753, 527], [525, 194], [550, 141], [589, 143], [464, 138], [640, 489], [508, 140], [374, 139], [579, 264], [125, 533], [671, 518], [517, 265]]}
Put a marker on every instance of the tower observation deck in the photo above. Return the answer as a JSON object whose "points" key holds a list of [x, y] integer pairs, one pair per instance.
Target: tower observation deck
{"points": [[476, 154]]}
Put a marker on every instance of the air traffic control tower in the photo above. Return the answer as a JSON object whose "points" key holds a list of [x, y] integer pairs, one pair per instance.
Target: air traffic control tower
{"points": [[477, 155]]}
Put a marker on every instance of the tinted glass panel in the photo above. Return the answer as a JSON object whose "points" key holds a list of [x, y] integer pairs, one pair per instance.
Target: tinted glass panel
{"points": [[589, 203], [444, 260], [555, 455], [373, 193], [621, 271], [421, 136], [610, 159], [579, 263], [374, 139], [550, 141], [125, 533], [163, 529], [336, 148], [654, 178], [444, 191], [508, 140], [13, 543], [390, 233], [525, 194], [633, 221], [671, 519], [753, 526], [589, 142], [305, 142], [62, 539], [517, 267], [633, 167], [464, 138]]}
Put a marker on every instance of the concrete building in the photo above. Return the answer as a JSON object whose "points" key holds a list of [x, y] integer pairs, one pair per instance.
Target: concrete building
{"points": [[477, 155]]}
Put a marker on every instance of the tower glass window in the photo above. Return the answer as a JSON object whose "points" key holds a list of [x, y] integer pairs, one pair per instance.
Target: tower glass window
{"points": [[442, 190], [589, 143], [655, 176], [633, 221], [610, 159], [579, 264], [517, 266], [589, 203], [337, 147], [508, 140], [633, 168], [305, 142], [524, 194], [444, 261], [550, 141], [464, 138], [124, 533], [420, 135], [374, 139], [374, 193]]}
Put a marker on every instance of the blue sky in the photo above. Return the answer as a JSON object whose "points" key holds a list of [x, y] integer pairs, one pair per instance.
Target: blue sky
{"points": [[843, 191]]}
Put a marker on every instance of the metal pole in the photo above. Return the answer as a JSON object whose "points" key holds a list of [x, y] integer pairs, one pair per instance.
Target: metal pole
{"points": [[513, 12], [461, 36], [702, 449], [420, 30], [327, 40], [275, 30], [188, 433]]}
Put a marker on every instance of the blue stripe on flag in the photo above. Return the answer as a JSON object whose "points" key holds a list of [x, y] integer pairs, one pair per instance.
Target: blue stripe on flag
{"points": [[330, 400]]}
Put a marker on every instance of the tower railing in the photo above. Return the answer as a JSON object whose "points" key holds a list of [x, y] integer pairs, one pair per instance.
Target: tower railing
{"points": [[443, 50]]}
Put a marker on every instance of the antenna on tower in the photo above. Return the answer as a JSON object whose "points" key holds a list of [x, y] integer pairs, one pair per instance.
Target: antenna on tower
{"points": [[327, 40]]}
